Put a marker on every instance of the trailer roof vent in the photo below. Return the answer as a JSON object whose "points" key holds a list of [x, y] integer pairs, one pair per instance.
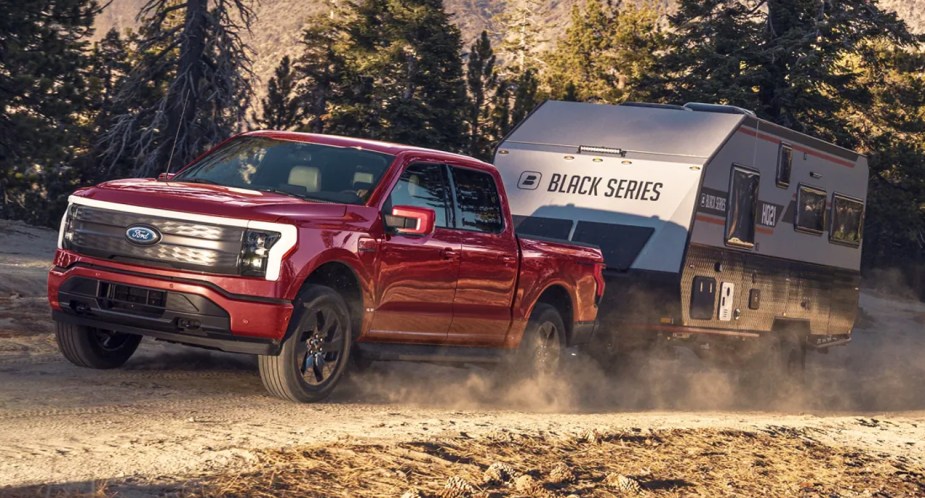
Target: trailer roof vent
{"points": [[655, 106], [723, 109]]}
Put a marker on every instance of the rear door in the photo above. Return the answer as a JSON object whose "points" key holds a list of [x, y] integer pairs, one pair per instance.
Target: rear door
{"points": [[488, 270], [417, 275]]}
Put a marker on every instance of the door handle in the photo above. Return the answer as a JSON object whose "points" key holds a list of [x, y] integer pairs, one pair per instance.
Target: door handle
{"points": [[508, 260], [448, 253]]}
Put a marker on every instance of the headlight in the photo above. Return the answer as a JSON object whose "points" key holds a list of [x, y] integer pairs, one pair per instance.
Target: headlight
{"points": [[67, 230], [255, 251]]}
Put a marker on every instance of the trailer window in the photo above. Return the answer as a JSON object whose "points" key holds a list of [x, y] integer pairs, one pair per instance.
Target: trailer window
{"points": [[847, 220], [478, 206], [741, 207], [784, 165], [810, 212]]}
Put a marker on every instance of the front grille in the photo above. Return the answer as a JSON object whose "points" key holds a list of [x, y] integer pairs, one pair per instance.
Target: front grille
{"points": [[184, 244]]}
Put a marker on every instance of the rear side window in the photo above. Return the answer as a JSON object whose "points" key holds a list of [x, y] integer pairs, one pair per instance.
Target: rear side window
{"points": [[741, 207], [478, 206], [810, 211], [425, 186], [847, 220], [784, 165]]}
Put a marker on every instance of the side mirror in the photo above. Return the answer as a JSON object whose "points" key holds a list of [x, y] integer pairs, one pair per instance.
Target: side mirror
{"points": [[410, 220], [165, 177]]}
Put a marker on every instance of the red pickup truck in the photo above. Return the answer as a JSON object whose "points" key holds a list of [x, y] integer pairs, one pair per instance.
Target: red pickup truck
{"points": [[308, 250]]}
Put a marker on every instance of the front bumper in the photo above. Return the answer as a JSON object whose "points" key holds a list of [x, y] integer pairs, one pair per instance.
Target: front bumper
{"points": [[183, 310]]}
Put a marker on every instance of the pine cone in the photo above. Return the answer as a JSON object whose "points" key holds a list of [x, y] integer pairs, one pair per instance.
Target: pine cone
{"points": [[561, 474], [623, 483], [499, 473], [457, 487]]}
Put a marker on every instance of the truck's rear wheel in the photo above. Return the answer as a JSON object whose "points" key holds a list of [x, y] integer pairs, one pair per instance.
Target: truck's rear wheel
{"points": [[95, 348], [540, 350], [315, 354]]}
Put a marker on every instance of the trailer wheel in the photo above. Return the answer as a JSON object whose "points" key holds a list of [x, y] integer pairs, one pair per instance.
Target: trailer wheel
{"points": [[95, 348], [316, 351], [791, 359], [542, 345], [777, 370]]}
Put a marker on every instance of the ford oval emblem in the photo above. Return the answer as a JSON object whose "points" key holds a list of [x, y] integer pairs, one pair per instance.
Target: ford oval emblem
{"points": [[142, 235]]}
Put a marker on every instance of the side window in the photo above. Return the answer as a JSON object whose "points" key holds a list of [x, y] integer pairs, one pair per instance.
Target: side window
{"points": [[784, 165], [423, 185], [810, 212], [741, 207], [478, 206], [847, 220]]}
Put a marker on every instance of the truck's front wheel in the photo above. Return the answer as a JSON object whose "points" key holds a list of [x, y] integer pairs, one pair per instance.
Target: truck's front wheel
{"points": [[315, 354], [95, 348]]}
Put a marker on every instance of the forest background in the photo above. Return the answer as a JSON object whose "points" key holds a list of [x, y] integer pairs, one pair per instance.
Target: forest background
{"points": [[91, 90]]}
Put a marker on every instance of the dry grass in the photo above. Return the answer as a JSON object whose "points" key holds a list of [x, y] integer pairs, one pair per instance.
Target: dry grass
{"points": [[672, 463], [770, 462]]}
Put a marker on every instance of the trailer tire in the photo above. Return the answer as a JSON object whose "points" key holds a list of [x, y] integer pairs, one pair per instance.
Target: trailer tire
{"points": [[95, 348], [778, 370], [316, 350]]}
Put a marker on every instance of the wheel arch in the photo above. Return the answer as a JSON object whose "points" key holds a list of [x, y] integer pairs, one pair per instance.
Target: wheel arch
{"points": [[344, 279], [557, 295]]}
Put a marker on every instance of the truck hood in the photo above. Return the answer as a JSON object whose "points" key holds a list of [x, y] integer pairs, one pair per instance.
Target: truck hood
{"points": [[212, 200]]}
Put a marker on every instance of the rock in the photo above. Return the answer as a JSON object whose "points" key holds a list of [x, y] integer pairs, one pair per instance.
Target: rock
{"points": [[499, 473], [561, 474]]}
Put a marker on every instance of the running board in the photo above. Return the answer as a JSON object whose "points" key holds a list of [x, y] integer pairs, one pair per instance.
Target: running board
{"points": [[441, 354]]}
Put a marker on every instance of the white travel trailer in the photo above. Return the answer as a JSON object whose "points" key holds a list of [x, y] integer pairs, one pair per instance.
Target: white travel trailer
{"points": [[717, 227]]}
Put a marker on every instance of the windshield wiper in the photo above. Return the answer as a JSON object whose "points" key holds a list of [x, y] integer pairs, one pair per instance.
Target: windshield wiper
{"points": [[280, 191]]}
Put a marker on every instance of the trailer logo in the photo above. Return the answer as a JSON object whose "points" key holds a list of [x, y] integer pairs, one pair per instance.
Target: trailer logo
{"points": [[713, 202], [529, 180], [617, 188]]}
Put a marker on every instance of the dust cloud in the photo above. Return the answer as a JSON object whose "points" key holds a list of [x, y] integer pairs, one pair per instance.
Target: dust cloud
{"points": [[882, 369]]}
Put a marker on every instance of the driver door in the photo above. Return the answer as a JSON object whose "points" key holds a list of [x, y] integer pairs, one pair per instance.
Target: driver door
{"points": [[417, 275]]}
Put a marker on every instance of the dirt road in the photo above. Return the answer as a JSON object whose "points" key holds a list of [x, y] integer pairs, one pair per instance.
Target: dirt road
{"points": [[174, 413]]}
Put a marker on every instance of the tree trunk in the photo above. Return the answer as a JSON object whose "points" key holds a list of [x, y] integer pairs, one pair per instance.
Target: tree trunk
{"points": [[184, 95]]}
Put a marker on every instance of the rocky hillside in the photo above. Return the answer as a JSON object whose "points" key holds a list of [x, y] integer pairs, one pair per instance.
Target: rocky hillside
{"points": [[280, 22]]}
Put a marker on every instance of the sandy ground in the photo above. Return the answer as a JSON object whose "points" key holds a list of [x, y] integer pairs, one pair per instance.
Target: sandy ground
{"points": [[181, 415]]}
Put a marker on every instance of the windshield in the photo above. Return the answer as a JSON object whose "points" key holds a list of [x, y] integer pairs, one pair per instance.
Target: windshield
{"points": [[310, 171]]}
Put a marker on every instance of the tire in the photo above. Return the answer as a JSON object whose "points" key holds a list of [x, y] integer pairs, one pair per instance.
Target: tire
{"points": [[541, 348], [778, 369], [95, 348], [316, 351]]}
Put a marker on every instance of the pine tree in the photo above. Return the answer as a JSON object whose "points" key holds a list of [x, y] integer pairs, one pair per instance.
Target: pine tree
{"points": [[403, 78], [42, 95], [482, 83], [526, 96], [281, 108], [521, 25], [581, 66], [320, 68], [194, 48]]}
